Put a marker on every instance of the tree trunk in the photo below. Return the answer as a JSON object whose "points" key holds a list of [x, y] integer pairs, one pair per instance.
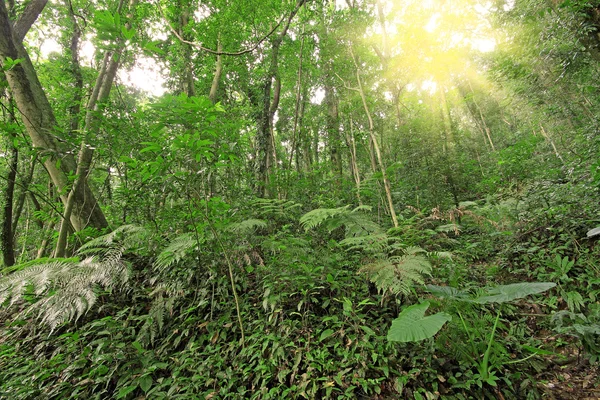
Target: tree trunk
{"points": [[7, 241], [373, 138], [264, 136], [40, 123]]}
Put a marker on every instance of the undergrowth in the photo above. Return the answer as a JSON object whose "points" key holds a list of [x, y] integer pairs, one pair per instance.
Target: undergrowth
{"points": [[314, 293]]}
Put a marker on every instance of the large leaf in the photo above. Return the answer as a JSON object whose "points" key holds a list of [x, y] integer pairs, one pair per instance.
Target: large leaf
{"points": [[448, 292], [506, 293], [412, 325]]}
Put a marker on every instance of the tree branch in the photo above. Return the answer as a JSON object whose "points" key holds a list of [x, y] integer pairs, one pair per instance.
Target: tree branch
{"points": [[218, 52], [29, 16]]}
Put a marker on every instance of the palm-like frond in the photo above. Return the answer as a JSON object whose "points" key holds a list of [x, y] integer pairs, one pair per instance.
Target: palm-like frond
{"points": [[247, 226], [70, 286], [316, 217], [371, 244], [175, 251], [397, 274], [274, 208], [355, 222]]}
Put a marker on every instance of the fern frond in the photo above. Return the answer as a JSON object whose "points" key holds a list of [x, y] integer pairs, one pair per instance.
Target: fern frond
{"points": [[247, 226], [355, 222], [397, 274], [292, 246], [70, 286], [175, 251], [316, 217], [372, 244], [275, 208], [128, 236]]}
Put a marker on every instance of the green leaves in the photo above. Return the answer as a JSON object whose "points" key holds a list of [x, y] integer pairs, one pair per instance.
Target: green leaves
{"points": [[515, 291], [412, 325], [499, 294], [9, 63]]}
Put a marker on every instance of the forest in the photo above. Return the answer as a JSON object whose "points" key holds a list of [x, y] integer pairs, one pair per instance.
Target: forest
{"points": [[299, 199]]}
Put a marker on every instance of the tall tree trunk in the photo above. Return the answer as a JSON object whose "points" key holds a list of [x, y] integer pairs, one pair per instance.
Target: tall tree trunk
{"points": [[264, 136], [7, 240], [298, 102], [373, 138], [214, 87], [39, 120], [94, 108]]}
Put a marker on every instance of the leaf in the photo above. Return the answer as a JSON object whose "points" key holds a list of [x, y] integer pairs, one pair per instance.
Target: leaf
{"points": [[447, 292], [146, 383], [506, 293], [412, 325], [593, 232], [125, 391], [325, 334]]}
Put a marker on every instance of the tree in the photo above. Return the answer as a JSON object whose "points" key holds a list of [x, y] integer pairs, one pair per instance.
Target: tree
{"points": [[39, 120]]}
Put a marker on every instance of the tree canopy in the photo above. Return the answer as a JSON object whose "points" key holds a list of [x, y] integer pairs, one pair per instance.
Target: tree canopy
{"points": [[263, 199]]}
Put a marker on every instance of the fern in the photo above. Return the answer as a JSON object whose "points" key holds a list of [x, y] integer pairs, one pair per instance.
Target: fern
{"points": [[397, 274], [247, 226], [274, 208], [355, 222], [371, 244], [69, 287], [175, 251]]}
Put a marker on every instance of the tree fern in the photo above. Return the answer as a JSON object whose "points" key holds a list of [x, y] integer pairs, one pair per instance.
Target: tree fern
{"points": [[69, 288], [397, 274], [355, 222]]}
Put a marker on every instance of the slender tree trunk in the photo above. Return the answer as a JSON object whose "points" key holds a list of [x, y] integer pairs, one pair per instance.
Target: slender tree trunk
{"points": [[214, 88], [264, 137], [485, 127], [94, 107], [7, 241], [386, 182], [351, 143], [298, 101]]}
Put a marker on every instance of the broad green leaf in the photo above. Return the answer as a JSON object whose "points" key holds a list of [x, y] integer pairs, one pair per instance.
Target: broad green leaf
{"points": [[506, 293], [447, 292], [326, 333], [146, 383], [125, 391], [412, 325]]}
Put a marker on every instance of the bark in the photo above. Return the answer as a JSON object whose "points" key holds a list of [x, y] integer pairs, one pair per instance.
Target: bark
{"points": [[33, 9], [214, 87], [333, 129], [94, 107], [298, 101], [351, 143], [187, 84], [20, 203], [264, 136], [40, 123], [484, 127], [8, 250]]}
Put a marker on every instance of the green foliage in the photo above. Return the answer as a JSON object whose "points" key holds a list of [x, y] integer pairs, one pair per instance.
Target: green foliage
{"points": [[412, 325], [397, 274], [64, 290]]}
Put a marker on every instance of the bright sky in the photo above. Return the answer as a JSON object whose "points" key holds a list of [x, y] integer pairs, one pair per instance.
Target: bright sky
{"points": [[146, 74]]}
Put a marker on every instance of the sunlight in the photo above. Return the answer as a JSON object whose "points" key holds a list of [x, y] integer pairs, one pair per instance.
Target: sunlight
{"points": [[433, 23], [433, 42]]}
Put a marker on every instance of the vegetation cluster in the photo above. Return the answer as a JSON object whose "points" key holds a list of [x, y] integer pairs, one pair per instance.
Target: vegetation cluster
{"points": [[365, 199]]}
